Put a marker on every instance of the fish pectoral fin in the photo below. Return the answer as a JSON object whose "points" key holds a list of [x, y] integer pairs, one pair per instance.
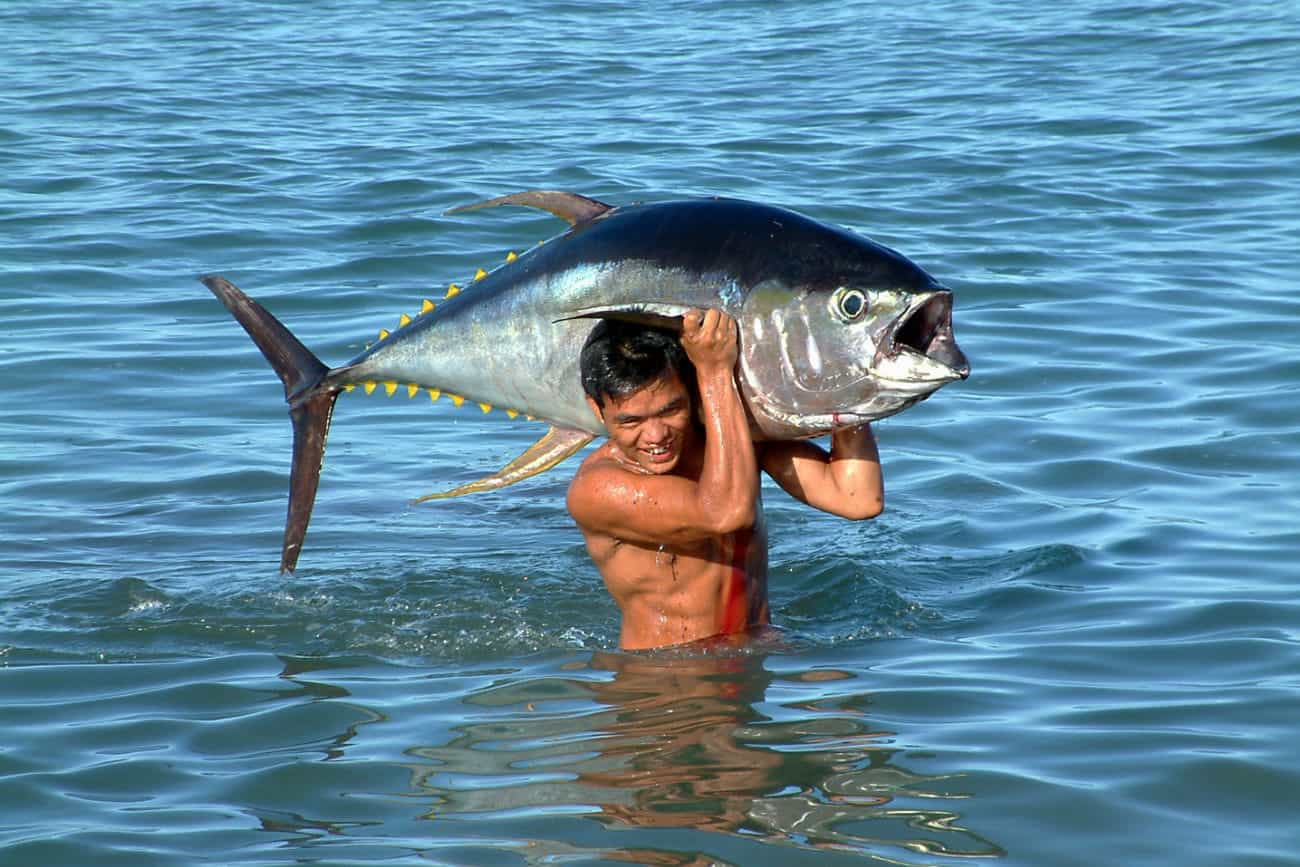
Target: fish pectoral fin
{"points": [[570, 207], [555, 445], [654, 314]]}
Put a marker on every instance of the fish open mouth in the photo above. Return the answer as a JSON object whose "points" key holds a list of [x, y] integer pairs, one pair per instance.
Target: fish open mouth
{"points": [[926, 330]]}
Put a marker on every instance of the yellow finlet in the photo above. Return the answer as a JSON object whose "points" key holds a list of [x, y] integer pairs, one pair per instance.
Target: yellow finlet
{"points": [[513, 413], [404, 321], [411, 389], [486, 407], [453, 290], [511, 256], [349, 386], [457, 399], [434, 394], [383, 334], [370, 388], [390, 387], [427, 307], [479, 275]]}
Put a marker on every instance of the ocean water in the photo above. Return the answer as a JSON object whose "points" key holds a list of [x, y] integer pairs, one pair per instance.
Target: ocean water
{"points": [[1071, 639]]}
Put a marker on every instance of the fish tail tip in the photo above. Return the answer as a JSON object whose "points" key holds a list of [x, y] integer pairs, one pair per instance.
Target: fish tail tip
{"points": [[215, 282]]}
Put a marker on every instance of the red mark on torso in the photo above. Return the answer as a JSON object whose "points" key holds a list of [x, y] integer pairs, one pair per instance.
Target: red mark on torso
{"points": [[735, 613]]}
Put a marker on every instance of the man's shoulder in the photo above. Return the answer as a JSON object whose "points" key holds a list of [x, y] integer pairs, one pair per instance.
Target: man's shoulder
{"points": [[591, 480], [598, 463]]}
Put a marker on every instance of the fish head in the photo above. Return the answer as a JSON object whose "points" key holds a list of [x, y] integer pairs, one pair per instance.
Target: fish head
{"points": [[815, 358]]}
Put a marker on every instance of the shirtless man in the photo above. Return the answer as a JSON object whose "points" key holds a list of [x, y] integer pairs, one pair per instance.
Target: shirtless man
{"points": [[670, 506]]}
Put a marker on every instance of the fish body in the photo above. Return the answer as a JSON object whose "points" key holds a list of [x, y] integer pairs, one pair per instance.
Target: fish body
{"points": [[834, 328]]}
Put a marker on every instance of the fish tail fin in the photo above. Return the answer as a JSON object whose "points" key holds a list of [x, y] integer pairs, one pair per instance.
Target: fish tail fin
{"points": [[311, 405]]}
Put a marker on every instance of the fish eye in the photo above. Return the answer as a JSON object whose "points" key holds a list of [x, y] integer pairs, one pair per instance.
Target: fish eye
{"points": [[849, 305]]}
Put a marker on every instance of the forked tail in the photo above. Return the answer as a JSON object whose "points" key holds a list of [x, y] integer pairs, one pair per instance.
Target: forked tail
{"points": [[310, 405]]}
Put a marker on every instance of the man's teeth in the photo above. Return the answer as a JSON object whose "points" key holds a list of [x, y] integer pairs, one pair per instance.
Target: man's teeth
{"points": [[660, 450]]}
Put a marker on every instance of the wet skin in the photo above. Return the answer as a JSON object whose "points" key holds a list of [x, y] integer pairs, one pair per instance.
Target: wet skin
{"points": [[670, 508]]}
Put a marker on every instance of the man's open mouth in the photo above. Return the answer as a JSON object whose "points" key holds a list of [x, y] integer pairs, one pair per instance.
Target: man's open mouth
{"points": [[926, 330]]}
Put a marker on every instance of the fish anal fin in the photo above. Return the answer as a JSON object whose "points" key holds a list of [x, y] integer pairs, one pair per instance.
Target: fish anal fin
{"points": [[570, 207], [555, 445]]}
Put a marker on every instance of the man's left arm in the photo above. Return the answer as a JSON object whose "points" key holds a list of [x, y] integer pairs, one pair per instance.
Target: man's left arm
{"points": [[846, 482]]}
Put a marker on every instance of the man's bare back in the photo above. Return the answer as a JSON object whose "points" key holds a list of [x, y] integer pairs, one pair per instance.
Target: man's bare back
{"points": [[670, 507]]}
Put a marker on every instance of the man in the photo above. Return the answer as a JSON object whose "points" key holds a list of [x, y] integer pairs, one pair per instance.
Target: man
{"points": [[669, 506]]}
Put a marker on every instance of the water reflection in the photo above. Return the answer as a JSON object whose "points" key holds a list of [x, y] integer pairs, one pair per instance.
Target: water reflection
{"points": [[712, 742]]}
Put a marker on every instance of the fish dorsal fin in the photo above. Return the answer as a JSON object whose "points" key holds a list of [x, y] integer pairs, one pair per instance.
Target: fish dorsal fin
{"points": [[654, 314], [554, 446], [570, 207]]}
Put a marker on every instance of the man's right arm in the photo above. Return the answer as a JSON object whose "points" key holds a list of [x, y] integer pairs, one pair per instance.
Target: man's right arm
{"points": [[728, 485]]}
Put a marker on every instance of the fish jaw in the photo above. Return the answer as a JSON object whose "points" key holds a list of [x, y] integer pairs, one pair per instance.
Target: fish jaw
{"points": [[919, 350], [916, 356]]}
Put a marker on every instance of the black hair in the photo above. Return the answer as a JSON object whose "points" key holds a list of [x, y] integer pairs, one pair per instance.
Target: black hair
{"points": [[620, 358]]}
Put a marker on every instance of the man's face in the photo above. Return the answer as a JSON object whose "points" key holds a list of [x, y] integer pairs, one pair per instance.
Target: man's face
{"points": [[652, 426]]}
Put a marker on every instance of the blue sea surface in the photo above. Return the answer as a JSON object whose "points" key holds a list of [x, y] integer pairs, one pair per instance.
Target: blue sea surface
{"points": [[1072, 638]]}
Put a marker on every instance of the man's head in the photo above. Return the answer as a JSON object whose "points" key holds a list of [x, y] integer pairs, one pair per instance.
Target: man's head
{"points": [[640, 384]]}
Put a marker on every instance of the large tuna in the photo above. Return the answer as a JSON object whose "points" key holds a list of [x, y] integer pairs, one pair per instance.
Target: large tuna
{"points": [[834, 329]]}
